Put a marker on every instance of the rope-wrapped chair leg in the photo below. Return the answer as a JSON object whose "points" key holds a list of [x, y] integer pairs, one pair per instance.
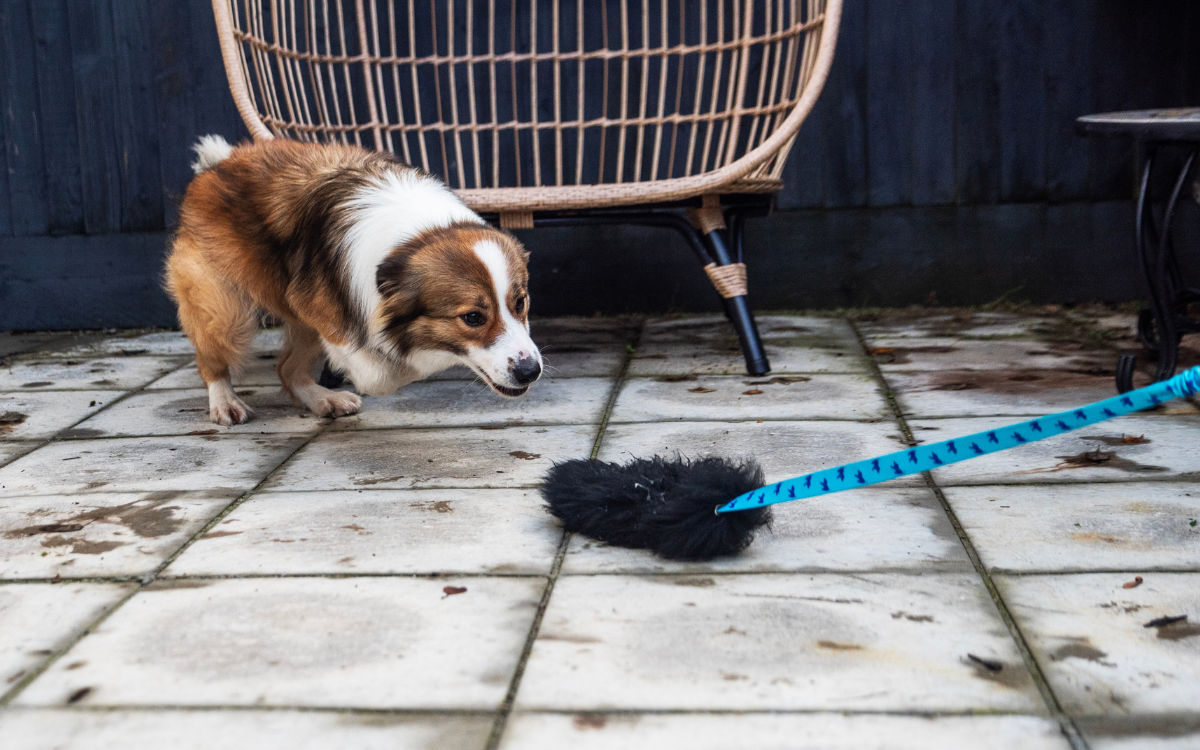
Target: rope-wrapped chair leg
{"points": [[729, 279]]}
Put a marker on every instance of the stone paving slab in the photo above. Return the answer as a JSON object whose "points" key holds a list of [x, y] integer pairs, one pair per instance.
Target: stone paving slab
{"points": [[113, 373], [986, 393], [1090, 636], [715, 328], [99, 534], [862, 530], [783, 449], [38, 416], [771, 642], [186, 413], [1066, 528], [36, 729], [10, 451], [38, 619], [743, 397], [665, 358], [398, 459], [156, 344], [971, 325], [364, 642], [379, 532], [598, 731], [458, 403], [1099, 453], [153, 464], [258, 370], [937, 354]]}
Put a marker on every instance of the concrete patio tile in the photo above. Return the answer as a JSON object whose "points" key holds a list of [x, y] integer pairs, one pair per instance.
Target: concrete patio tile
{"points": [[379, 531], [12, 344], [186, 413], [565, 360], [10, 451], [130, 344], [1094, 454], [670, 358], [598, 731], [770, 397], [774, 642], [915, 355], [64, 729], [361, 642], [257, 370], [1090, 636], [862, 530], [783, 449], [399, 459], [154, 464], [693, 329], [966, 325], [1066, 528], [38, 416], [113, 373], [36, 619], [459, 403], [99, 534], [986, 393], [1144, 732]]}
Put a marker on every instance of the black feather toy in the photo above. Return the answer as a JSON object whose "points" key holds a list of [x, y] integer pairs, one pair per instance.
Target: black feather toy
{"points": [[665, 506]]}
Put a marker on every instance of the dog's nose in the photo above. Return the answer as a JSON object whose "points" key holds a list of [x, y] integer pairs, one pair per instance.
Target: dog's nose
{"points": [[526, 370]]}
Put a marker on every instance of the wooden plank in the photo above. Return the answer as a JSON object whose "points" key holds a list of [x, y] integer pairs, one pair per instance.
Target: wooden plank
{"points": [[83, 281], [844, 124], [92, 56], [137, 124], [977, 105], [174, 100], [1022, 101], [18, 78], [1067, 49], [932, 34], [889, 103], [60, 135]]}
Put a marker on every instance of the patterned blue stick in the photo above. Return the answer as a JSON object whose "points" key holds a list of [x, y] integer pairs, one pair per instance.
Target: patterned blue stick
{"points": [[927, 457]]}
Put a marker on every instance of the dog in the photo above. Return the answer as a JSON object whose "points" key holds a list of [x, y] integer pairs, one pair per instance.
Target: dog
{"points": [[370, 262]]}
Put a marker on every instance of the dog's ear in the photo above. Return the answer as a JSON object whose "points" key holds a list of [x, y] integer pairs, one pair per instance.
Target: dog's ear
{"points": [[399, 287]]}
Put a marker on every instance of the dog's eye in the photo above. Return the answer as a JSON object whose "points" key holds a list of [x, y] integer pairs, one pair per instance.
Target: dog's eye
{"points": [[520, 306], [474, 319]]}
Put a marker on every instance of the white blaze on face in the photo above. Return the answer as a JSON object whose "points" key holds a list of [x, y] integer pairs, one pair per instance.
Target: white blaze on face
{"points": [[513, 343]]}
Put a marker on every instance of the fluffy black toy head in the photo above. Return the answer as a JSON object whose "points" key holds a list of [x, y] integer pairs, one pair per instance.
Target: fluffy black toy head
{"points": [[666, 506]]}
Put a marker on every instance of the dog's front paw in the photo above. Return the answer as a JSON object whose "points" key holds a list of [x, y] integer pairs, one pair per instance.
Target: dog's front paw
{"points": [[338, 404], [230, 412]]}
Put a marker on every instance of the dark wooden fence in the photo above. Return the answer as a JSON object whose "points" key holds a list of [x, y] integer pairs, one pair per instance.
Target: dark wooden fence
{"points": [[941, 158]]}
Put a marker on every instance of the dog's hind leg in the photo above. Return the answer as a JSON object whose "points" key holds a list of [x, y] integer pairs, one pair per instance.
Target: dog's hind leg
{"points": [[300, 352], [220, 320]]}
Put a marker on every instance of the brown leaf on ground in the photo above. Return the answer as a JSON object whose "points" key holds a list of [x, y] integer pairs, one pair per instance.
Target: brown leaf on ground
{"points": [[524, 455], [701, 389], [752, 392], [990, 665], [1137, 581], [452, 590], [1132, 440]]}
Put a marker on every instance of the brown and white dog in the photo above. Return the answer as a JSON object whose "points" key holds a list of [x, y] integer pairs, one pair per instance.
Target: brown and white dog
{"points": [[367, 261]]}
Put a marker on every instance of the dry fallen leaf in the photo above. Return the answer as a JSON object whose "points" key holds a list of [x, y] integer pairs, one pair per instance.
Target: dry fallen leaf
{"points": [[883, 350], [752, 392], [701, 389], [1137, 581], [1134, 440], [452, 590]]}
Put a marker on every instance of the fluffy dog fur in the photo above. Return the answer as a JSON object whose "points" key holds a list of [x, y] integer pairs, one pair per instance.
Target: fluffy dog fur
{"points": [[367, 261]]}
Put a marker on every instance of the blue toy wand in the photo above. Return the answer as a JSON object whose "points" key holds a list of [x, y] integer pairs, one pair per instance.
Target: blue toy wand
{"points": [[927, 457]]}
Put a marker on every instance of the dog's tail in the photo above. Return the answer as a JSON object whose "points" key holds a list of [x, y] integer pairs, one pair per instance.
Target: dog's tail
{"points": [[210, 150]]}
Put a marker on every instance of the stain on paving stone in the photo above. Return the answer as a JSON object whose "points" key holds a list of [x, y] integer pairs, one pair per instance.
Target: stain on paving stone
{"points": [[524, 455], [149, 518], [1115, 440], [1099, 459], [9, 421], [1080, 648], [171, 584], [79, 433], [1011, 382], [438, 506], [899, 355], [584, 722]]}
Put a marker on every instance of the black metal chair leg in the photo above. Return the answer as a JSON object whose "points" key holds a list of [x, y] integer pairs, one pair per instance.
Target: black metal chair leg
{"points": [[1168, 331], [1126, 366], [329, 378], [737, 309]]}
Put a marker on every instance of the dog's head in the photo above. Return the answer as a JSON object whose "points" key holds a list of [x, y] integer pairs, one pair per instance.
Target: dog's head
{"points": [[460, 295]]}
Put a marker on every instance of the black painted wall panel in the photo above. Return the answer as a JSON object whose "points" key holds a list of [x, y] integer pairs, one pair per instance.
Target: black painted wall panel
{"points": [[942, 157]]}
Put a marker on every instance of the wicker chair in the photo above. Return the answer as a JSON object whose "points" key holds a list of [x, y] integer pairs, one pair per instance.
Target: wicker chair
{"points": [[554, 112]]}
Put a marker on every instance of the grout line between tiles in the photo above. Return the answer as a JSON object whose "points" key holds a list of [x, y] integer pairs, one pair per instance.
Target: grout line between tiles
{"points": [[510, 698], [143, 581], [1066, 724]]}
